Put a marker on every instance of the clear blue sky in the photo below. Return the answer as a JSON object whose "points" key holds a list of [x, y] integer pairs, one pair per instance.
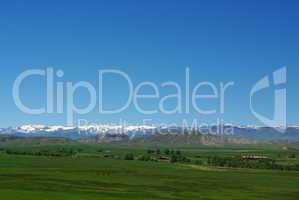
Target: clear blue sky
{"points": [[238, 41]]}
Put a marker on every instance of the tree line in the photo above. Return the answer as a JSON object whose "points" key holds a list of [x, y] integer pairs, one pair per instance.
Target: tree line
{"points": [[59, 152], [236, 162]]}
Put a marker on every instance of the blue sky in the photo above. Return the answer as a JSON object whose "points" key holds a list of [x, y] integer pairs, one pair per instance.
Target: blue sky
{"points": [[219, 41]]}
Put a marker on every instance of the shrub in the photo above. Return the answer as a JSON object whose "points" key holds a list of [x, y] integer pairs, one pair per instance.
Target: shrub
{"points": [[129, 156]]}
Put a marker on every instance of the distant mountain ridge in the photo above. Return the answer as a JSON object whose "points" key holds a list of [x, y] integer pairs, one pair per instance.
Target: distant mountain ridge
{"points": [[239, 132]]}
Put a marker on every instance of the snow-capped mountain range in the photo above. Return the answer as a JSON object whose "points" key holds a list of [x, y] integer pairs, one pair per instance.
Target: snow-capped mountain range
{"points": [[248, 132], [75, 132], [96, 128]]}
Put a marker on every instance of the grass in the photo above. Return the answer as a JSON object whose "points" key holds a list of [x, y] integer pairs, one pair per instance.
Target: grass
{"points": [[84, 177]]}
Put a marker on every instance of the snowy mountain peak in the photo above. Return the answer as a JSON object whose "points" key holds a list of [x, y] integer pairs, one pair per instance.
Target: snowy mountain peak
{"points": [[250, 132], [30, 128], [90, 128]]}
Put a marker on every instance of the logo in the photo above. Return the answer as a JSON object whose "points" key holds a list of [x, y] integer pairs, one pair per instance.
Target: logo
{"points": [[60, 95], [278, 121]]}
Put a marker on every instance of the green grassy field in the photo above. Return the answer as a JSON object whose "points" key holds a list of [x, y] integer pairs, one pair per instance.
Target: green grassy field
{"points": [[90, 176]]}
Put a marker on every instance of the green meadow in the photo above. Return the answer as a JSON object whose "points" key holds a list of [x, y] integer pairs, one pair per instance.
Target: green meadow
{"points": [[91, 174]]}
